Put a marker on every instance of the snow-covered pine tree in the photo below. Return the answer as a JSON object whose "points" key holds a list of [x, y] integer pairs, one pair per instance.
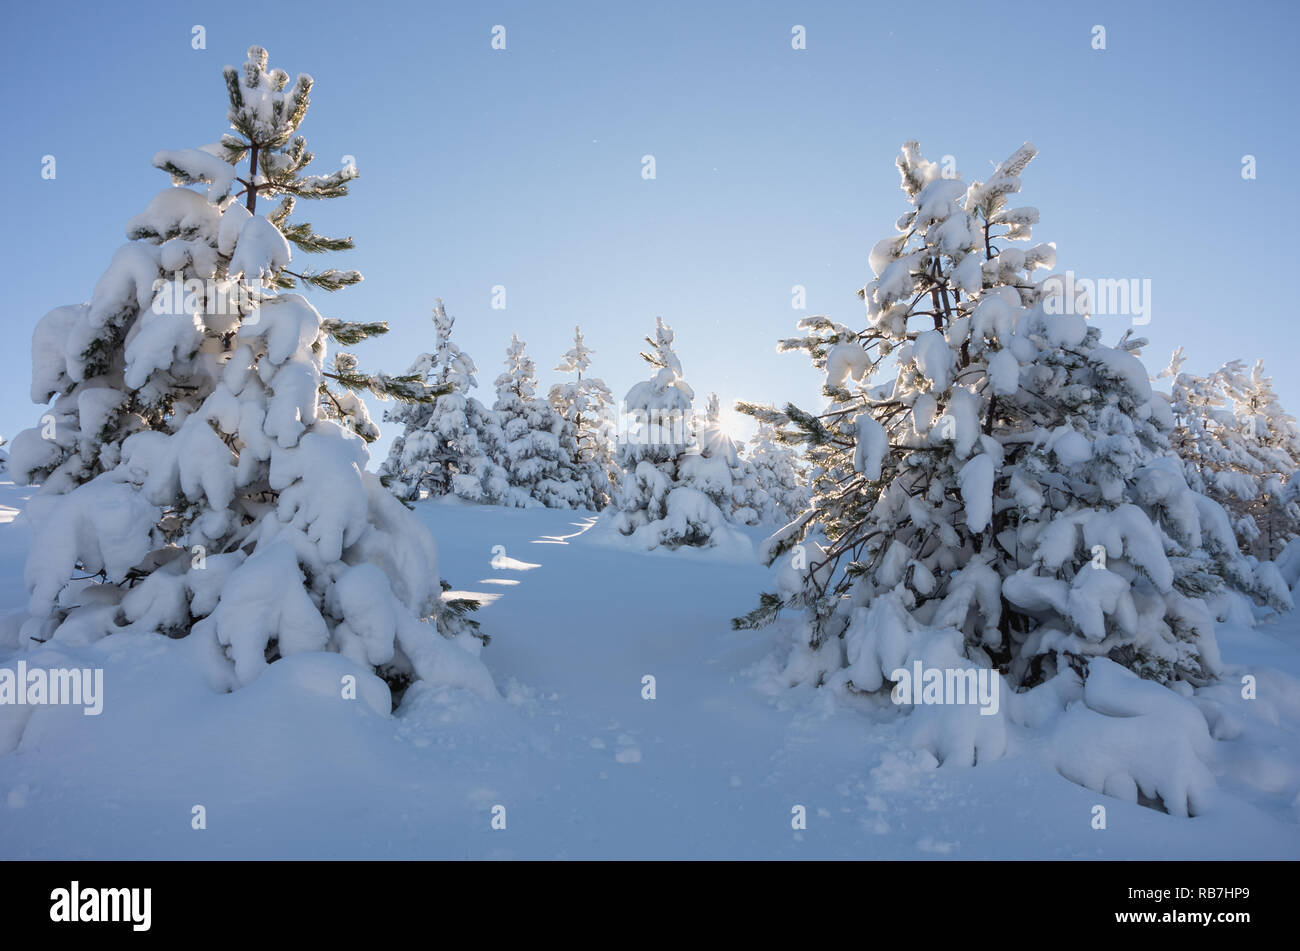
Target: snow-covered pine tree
{"points": [[1270, 439], [1008, 499], [719, 470], [537, 446], [1241, 448], [657, 503], [776, 488], [200, 469], [447, 446], [587, 403]]}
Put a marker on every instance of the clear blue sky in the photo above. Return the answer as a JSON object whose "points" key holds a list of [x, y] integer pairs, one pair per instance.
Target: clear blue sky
{"points": [[522, 167]]}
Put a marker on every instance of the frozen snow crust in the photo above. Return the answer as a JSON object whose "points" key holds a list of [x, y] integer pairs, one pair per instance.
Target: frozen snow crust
{"points": [[587, 768]]}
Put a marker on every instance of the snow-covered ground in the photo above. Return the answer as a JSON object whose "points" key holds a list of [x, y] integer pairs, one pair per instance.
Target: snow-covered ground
{"points": [[584, 766]]}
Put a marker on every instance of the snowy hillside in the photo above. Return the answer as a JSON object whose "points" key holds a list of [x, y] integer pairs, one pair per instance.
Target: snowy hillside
{"points": [[584, 766]]}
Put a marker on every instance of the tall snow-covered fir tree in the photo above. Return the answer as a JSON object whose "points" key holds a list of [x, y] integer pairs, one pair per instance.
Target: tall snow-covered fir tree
{"points": [[1007, 496], [587, 403], [660, 500], [537, 447], [448, 446], [1241, 448], [202, 468]]}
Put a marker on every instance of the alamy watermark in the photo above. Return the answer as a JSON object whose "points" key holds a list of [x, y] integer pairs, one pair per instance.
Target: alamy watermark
{"points": [[57, 686], [1103, 297], [75, 903], [925, 686], [185, 297], [655, 427]]}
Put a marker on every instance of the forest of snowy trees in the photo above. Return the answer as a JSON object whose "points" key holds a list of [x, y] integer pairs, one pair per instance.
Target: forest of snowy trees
{"points": [[672, 475], [989, 483]]}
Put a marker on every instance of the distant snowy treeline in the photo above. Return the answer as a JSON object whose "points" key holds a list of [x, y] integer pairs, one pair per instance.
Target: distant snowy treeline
{"points": [[673, 474]]}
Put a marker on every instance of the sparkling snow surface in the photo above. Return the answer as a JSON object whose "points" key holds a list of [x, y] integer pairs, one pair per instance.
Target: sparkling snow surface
{"points": [[585, 767]]}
